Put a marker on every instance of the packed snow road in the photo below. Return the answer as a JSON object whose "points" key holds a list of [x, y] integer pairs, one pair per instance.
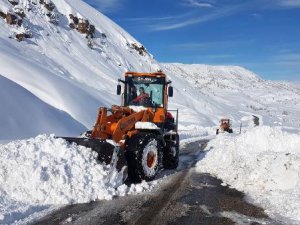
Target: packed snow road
{"points": [[183, 197]]}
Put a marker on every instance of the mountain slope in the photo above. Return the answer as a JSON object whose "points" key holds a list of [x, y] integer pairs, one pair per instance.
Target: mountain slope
{"points": [[25, 114], [58, 64], [213, 92], [66, 67]]}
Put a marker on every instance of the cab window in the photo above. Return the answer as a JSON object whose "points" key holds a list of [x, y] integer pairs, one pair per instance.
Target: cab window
{"points": [[144, 91]]}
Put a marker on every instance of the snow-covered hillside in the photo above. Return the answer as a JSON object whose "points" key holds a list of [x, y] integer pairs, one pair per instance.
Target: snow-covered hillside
{"points": [[69, 56], [59, 65], [25, 115], [213, 92]]}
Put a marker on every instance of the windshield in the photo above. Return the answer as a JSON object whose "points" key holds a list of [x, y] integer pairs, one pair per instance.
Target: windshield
{"points": [[144, 91]]}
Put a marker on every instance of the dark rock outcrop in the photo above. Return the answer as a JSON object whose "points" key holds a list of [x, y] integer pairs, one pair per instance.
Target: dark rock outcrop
{"points": [[53, 18], [91, 31], [83, 26], [51, 12], [13, 19], [45, 2], [3, 15], [14, 2], [74, 18], [72, 25], [50, 6], [140, 49], [16, 16], [22, 36], [19, 11]]}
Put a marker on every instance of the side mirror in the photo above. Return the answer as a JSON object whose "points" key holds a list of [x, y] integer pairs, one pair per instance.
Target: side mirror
{"points": [[170, 91], [119, 88]]}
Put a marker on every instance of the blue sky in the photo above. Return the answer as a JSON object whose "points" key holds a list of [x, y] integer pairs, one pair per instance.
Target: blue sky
{"points": [[261, 35]]}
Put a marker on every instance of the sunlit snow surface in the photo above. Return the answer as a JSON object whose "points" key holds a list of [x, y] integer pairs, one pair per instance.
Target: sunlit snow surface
{"points": [[24, 115], [264, 163], [44, 173], [57, 67], [205, 94], [146, 125]]}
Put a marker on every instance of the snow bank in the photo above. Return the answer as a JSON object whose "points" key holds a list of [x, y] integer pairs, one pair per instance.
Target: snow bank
{"points": [[50, 171], [264, 163], [47, 171], [43, 173]]}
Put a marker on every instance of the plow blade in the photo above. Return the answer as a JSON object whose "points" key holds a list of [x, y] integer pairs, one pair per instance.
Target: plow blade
{"points": [[107, 153]]}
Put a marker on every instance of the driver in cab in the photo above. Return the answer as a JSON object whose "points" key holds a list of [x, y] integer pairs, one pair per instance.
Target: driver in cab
{"points": [[142, 98]]}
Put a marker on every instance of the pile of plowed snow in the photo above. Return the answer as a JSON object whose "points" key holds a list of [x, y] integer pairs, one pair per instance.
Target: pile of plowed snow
{"points": [[43, 173], [47, 171], [51, 171], [264, 163]]}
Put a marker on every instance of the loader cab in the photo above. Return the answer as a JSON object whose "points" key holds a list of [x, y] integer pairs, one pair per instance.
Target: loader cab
{"points": [[226, 122], [147, 90], [155, 90]]}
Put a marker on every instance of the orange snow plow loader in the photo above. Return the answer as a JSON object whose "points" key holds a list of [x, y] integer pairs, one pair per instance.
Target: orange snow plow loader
{"points": [[225, 126], [141, 133]]}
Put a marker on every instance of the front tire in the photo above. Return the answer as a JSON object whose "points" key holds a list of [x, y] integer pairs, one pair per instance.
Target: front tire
{"points": [[144, 156]]}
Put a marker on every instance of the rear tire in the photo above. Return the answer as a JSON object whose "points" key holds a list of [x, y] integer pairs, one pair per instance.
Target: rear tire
{"points": [[144, 156], [171, 154]]}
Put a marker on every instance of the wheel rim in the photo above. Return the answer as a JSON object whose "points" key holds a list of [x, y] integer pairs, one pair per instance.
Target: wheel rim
{"points": [[151, 159]]}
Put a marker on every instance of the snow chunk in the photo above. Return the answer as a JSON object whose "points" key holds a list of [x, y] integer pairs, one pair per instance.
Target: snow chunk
{"points": [[264, 163], [146, 125], [137, 188], [137, 108]]}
